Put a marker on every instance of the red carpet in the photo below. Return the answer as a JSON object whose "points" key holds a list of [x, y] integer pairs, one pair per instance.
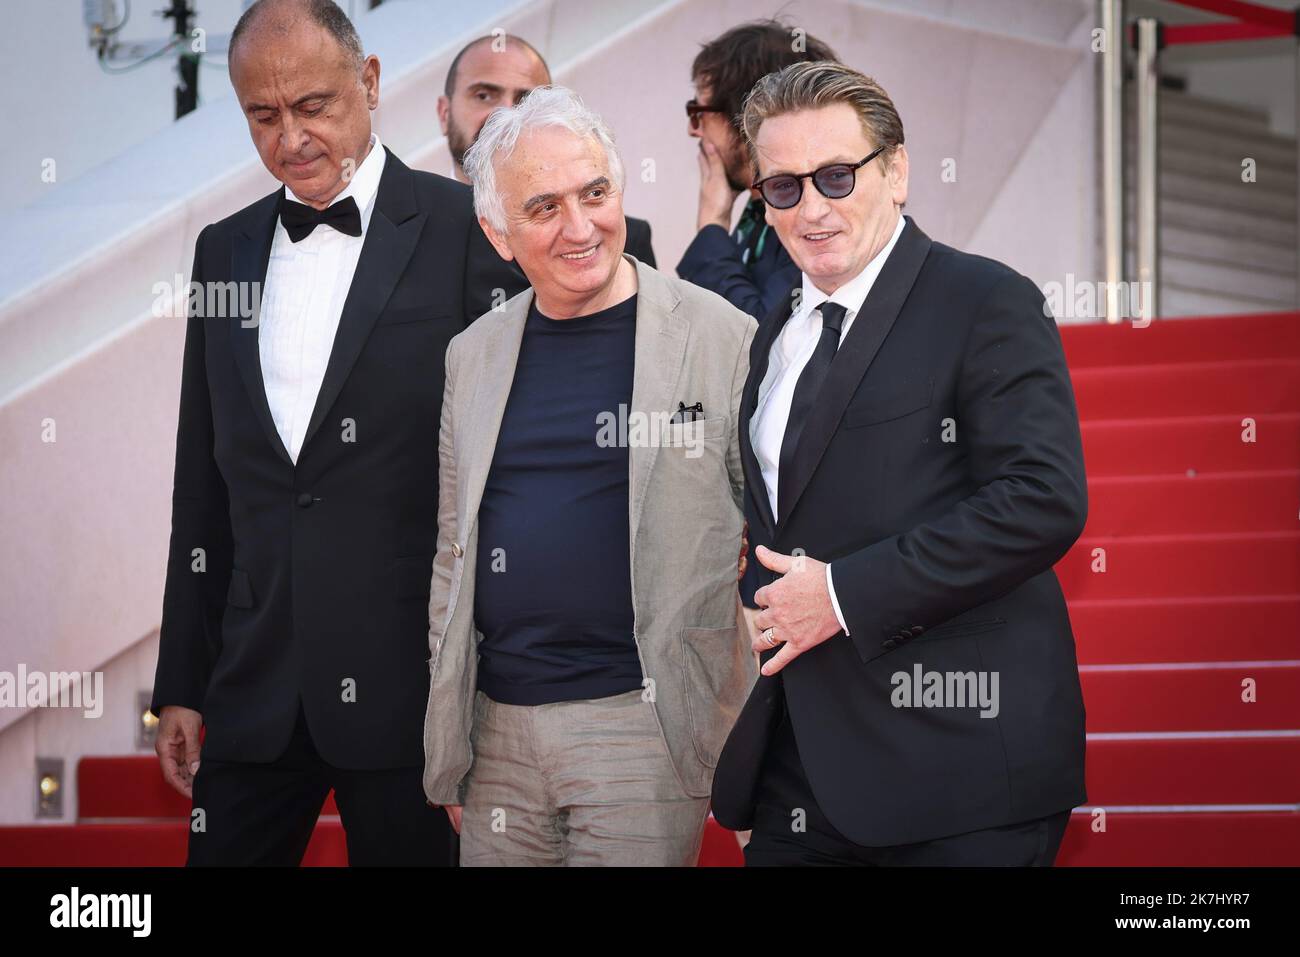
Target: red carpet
{"points": [[1199, 598], [1184, 594]]}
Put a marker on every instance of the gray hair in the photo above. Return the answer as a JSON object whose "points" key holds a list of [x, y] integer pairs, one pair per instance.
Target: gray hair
{"points": [[542, 107]]}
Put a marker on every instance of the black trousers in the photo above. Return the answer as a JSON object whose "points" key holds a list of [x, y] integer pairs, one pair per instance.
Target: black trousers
{"points": [[264, 814], [783, 788]]}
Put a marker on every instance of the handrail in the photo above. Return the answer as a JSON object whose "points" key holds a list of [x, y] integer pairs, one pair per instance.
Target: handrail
{"points": [[1284, 21]]}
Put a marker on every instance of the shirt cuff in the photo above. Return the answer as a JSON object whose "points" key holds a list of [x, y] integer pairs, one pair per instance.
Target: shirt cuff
{"points": [[835, 603]]}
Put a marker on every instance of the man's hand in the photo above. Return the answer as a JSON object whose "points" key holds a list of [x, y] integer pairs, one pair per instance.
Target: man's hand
{"points": [[797, 607], [716, 195], [177, 746], [453, 812]]}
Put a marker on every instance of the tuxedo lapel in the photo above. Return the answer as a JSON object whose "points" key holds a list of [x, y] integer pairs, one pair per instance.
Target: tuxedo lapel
{"points": [[391, 237], [249, 259], [759, 351], [854, 357]]}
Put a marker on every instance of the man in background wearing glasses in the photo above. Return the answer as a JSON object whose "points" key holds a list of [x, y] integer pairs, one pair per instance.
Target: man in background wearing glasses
{"points": [[913, 470], [746, 266]]}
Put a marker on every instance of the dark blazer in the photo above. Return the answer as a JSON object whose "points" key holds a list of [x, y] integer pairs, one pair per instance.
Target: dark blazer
{"points": [[638, 241], [942, 556], [712, 260], [316, 576]]}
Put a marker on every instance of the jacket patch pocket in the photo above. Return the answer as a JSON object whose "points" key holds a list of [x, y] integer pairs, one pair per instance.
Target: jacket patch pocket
{"points": [[715, 686], [689, 435], [240, 593], [875, 405]]}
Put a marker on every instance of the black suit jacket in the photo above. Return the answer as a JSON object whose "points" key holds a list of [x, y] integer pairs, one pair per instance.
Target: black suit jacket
{"points": [[314, 583], [942, 557], [637, 244]]}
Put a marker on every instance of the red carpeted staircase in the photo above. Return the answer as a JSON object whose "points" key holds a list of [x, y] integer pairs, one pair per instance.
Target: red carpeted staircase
{"points": [[1200, 594], [1198, 607]]}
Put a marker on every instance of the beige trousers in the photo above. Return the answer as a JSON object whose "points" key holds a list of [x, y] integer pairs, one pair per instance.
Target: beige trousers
{"points": [[575, 783]]}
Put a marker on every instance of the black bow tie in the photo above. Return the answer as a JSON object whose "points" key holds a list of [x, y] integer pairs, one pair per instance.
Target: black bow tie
{"points": [[299, 219]]}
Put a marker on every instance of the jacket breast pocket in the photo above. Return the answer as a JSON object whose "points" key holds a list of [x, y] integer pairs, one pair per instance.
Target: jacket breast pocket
{"points": [[876, 404], [688, 434], [240, 592]]}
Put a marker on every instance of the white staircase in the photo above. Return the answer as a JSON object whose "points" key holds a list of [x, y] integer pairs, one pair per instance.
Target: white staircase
{"points": [[1226, 245]]}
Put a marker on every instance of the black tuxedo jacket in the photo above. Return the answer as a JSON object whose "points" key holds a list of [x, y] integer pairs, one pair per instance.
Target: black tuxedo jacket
{"points": [[313, 582], [637, 243], [941, 473]]}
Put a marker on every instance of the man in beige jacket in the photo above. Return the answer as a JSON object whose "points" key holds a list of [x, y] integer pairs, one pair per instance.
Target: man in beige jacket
{"points": [[585, 658]]}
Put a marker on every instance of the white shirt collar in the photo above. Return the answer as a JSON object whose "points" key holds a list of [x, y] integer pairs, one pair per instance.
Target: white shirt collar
{"points": [[853, 293], [364, 184]]}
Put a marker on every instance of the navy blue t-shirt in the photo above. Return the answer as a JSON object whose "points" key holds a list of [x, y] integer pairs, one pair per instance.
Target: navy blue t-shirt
{"points": [[553, 593]]}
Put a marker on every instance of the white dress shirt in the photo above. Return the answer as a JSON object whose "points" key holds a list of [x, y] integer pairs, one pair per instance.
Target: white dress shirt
{"points": [[307, 283], [791, 351]]}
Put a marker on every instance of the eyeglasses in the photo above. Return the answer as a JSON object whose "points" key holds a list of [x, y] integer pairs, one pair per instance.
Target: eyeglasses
{"points": [[836, 181], [694, 110]]}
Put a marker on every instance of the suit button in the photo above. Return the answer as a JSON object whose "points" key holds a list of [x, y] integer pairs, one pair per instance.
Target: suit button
{"points": [[457, 550], [304, 499], [916, 630], [889, 644]]}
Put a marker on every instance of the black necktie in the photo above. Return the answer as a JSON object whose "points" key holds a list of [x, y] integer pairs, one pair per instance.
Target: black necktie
{"points": [[300, 219], [805, 396]]}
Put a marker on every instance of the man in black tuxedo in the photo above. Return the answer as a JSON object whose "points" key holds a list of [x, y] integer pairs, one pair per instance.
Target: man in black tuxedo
{"points": [[295, 618], [913, 470]]}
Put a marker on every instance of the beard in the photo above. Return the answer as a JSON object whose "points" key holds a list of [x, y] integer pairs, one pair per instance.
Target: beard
{"points": [[458, 141]]}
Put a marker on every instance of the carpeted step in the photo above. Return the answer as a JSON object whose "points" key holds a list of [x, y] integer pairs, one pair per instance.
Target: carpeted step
{"points": [[1216, 628], [1220, 768], [1206, 443], [1264, 336], [1170, 566], [1182, 696], [119, 787], [140, 844], [1250, 387], [1204, 502], [1182, 839]]}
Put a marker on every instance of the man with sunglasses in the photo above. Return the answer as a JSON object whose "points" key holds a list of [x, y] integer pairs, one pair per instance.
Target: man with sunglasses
{"points": [[913, 470], [747, 266]]}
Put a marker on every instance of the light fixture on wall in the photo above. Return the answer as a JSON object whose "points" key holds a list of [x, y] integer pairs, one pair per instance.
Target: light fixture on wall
{"points": [[146, 729], [49, 788]]}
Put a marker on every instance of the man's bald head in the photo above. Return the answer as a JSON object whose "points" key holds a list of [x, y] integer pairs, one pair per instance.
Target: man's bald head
{"points": [[496, 43], [277, 19], [490, 72]]}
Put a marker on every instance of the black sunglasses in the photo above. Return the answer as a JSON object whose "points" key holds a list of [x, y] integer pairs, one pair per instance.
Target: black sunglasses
{"points": [[694, 110], [836, 181]]}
